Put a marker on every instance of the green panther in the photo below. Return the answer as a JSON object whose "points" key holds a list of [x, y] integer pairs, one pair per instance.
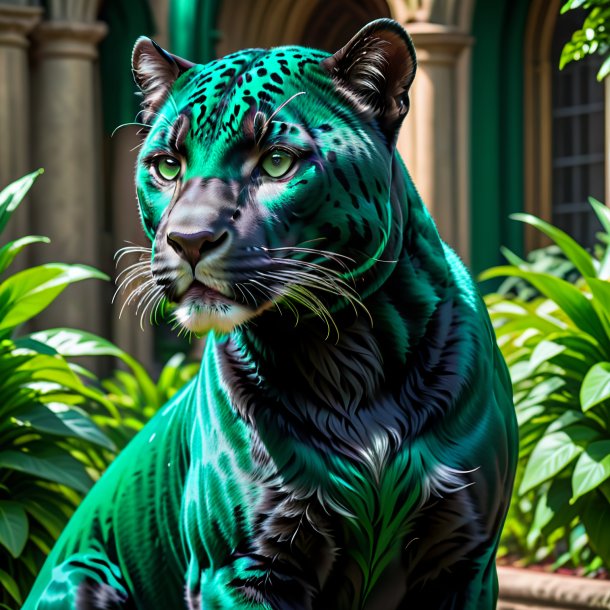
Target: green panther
{"points": [[350, 441]]}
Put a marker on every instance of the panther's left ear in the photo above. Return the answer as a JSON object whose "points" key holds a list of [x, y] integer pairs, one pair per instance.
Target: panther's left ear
{"points": [[155, 71], [375, 70]]}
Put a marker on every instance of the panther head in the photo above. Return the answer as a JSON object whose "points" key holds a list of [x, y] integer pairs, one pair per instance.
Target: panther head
{"points": [[265, 178]]}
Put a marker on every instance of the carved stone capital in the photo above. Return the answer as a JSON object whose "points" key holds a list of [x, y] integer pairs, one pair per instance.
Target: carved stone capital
{"points": [[16, 22], [68, 39], [439, 44]]}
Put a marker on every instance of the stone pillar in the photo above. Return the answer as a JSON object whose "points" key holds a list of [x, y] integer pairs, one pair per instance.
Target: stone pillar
{"points": [[434, 139], [67, 143], [15, 24]]}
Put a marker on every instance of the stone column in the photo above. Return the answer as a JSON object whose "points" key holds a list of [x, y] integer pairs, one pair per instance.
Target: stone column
{"points": [[67, 143], [15, 24], [434, 139]]}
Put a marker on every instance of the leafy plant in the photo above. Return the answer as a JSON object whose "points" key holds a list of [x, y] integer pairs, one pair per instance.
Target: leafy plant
{"points": [[592, 38], [557, 347], [46, 438], [132, 393], [60, 426], [549, 259]]}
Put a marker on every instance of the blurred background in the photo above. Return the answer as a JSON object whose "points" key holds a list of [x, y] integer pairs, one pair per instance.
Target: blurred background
{"points": [[494, 128]]}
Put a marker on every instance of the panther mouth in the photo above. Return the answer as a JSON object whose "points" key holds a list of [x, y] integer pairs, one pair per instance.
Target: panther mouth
{"points": [[206, 295]]}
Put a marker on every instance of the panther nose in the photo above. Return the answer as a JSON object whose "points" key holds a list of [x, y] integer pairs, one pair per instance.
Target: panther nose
{"points": [[192, 247]]}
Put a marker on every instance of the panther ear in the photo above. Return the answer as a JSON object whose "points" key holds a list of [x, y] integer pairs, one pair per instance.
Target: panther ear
{"points": [[375, 70], [155, 71]]}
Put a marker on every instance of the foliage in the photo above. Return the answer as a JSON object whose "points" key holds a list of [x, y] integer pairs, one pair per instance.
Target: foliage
{"points": [[549, 259], [46, 438], [59, 426], [557, 347], [592, 38], [133, 395]]}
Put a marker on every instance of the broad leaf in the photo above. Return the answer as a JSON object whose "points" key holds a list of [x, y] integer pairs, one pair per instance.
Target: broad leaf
{"points": [[13, 527], [27, 293], [52, 465], [603, 213], [581, 259], [571, 300], [596, 517], [9, 251], [553, 453], [71, 343], [591, 469], [595, 386], [8, 582], [58, 419], [13, 195], [543, 352], [552, 510]]}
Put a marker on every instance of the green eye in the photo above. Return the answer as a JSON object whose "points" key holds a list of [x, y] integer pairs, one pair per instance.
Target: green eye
{"points": [[168, 168], [277, 163]]}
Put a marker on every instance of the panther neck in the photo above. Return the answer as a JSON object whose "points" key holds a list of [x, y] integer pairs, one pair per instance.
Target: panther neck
{"points": [[337, 393]]}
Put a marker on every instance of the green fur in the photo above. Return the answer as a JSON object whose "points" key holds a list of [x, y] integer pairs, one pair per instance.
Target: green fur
{"points": [[349, 442]]}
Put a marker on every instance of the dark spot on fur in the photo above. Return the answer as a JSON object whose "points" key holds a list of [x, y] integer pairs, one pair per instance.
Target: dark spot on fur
{"points": [[326, 127], [331, 156], [271, 87], [277, 78], [261, 72], [330, 232], [342, 179], [363, 188]]}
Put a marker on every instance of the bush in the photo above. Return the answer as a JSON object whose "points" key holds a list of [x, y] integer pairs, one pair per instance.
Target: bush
{"points": [[60, 426], [592, 38], [557, 347], [47, 440]]}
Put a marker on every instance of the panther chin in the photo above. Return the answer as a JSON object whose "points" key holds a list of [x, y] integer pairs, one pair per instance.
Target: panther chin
{"points": [[201, 309]]}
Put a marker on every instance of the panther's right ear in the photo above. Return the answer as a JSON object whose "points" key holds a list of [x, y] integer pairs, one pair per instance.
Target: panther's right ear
{"points": [[155, 71]]}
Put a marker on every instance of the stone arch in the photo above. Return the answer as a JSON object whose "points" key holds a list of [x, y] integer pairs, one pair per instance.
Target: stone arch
{"points": [[316, 23], [541, 20]]}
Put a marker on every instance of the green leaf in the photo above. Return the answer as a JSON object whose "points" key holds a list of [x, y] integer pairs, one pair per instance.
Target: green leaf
{"points": [[553, 510], [571, 300], [27, 293], [582, 260], [71, 343], [543, 352], [596, 517], [13, 527], [591, 469], [600, 289], [553, 453], [603, 214], [571, 4], [13, 195], [595, 386], [8, 582], [59, 419], [604, 70], [52, 465], [513, 259], [9, 251]]}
